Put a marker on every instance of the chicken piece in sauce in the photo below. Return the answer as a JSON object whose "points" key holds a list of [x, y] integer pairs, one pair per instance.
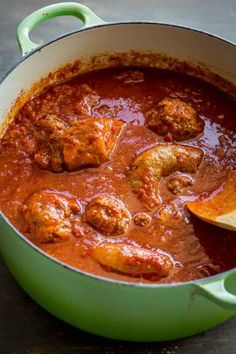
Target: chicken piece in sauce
{"points": [[90, 142], [130, 259], [87, 142], [130, 76], [107, 215], [49, 133], [50, 216], [148, 168], [174, 119]]}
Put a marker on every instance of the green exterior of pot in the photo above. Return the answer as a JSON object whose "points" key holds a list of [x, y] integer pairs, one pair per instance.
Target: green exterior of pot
{"points": [[109, 308]]}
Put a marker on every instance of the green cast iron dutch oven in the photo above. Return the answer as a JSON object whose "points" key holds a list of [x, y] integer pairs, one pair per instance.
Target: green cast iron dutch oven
{"points": [[110, 308]]}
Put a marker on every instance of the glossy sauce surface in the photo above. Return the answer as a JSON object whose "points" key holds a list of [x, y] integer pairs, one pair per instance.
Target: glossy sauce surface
{"points": [[197, 249]]}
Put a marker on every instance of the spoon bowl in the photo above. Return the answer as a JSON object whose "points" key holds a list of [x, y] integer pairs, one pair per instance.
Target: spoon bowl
{"points": [[219, 209]]}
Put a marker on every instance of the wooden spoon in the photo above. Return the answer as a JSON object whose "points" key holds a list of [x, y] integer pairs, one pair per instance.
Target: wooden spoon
{"points": [[219, 209]]}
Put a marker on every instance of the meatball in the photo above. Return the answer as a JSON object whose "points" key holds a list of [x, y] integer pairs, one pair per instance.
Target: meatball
{"points": [[178, 182], [162, 160], [175, 119], [87, 142], [107, 215], [131, 259], [50, 216], [142, 219]]}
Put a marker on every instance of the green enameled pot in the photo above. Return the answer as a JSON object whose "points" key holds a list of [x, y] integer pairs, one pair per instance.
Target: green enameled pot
{"points": [[110, 308]]}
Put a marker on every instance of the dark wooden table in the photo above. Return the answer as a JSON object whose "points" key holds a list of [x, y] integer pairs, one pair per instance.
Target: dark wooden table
{"points": [[25, 328]]}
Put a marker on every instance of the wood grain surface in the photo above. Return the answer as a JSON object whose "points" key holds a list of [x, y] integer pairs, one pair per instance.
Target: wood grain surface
{"points": [[25, 328]]}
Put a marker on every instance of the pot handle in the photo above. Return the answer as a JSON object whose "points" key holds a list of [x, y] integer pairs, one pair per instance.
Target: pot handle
{"points": [[48, 12], [217, 292]]}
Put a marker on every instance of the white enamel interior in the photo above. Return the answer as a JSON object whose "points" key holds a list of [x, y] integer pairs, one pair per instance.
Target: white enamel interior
{"points": [[184, 44]]}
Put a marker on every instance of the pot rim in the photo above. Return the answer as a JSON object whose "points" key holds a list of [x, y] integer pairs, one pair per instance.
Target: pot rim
{"points": [[107, 24], [63, 264]]}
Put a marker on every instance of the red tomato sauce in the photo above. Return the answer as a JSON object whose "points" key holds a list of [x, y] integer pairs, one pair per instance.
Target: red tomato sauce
{"points": [[196, 249]]}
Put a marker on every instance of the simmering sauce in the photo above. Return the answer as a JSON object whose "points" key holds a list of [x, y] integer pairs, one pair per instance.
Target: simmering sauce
{"points": [[149, 107]]}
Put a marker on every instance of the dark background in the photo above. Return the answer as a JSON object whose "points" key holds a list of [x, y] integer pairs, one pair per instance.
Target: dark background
{"points": [[25, 328]]}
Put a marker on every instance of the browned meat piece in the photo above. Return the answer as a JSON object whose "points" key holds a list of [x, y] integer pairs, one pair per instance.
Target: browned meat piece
{"points": [[130, 76], [161, 160], [171, 212], [50, 216], [107, 215], [174, 119], [88, 142], [50, 124], [50, 130], [178, 182], [129, 259], [142, 219], [51, 157]]}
